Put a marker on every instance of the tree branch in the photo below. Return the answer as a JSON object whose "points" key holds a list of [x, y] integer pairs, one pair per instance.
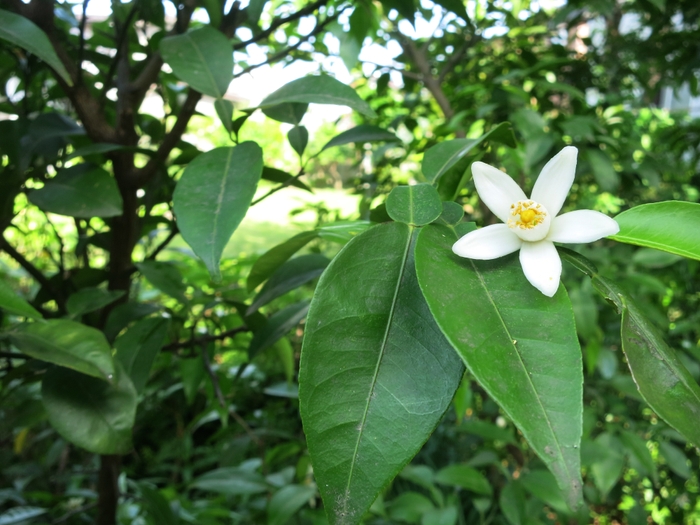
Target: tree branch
{"points": [[81, 43], [174, 230], [205, 339]]}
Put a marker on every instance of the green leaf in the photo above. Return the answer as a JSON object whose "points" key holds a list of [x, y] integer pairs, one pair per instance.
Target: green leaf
{"points": [[409, 507], [80, 191], [24, 513], [342, 232], [277, 327], [441, 157], [157, 506], [165, 277], [275, 175], [456, 6], [290, 112], [360, 134], [90, 413], [607, 471], [231, 481], [138, 347], [464, 477], [91, 299], [660, 376], [542, 485], [512, 503], [375, 375], [286, 502], [203, 58], [452, 213], [603, 170], [275, 257], [97, 149], [224, 110], [320, 89], [213, 196], [417, 205], [26, 34], [637, 449], [66, 343], [671, 226], [675, 459], [14, 304], [298, 137], [520, 345], [290, 275]]}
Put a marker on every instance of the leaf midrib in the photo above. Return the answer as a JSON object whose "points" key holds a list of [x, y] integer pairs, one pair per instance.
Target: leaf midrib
{"points": [[389, 323], [219, 203], [206, 65]]}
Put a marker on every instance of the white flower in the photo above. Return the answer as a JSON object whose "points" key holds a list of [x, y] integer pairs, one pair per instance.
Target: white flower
{"points": [[531, 225]]}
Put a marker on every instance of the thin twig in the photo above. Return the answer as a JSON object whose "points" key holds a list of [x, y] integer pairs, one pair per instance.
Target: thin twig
{"points": [[123, 32], [32, 270], [173, 232], [222, 400], [198, 341], [286, 183]]}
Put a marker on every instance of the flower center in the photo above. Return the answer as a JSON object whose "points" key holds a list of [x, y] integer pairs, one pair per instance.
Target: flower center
{"points": [[529, 220]]}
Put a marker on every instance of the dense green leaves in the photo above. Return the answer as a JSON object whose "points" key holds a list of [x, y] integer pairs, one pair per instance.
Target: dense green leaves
{"points": [[321, 89], [90, 413], [137, 348], [22, 32], [670, 226], [441, 157], [91, 299], [417, 205], [14, 304], [376, 374], [520, 345], [67, 344], [213, 196], [80, 191], [202, 57]]}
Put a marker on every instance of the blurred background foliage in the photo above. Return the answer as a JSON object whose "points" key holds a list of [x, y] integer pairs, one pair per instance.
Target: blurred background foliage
{"points": [[217, 438]]}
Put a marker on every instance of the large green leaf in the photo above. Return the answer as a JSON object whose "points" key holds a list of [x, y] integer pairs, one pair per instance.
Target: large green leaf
{"points": [[289, 276], [671, 226], [376, 374], [441, 157], [66, 343], [14, 304], [138, 346], [320, 89], [360, 134], [26, 34], [80, 191], [520, 345], [417, 205], [213, 196], [203, 58], [90, 413]]}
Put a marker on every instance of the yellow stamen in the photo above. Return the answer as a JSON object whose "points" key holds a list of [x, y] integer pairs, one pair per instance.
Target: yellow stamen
{"points": [[527, 216]]}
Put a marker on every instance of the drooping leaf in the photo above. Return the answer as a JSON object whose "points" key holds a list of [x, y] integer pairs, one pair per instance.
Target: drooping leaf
{"points": [[360, 134], [138, 346], [91, 299], [275, 257], [282, 177], [277, 327], [67, 344], [292, 274], [80, 191], [441, 157], [287, 501], [319, 89], [520, 345], [670, 226], [93, 414], [26, 34], [14, 304], [376, 374], [213, 196], [298, 138], [164, 276], [417, 205], [224, 110], [203, 58]]}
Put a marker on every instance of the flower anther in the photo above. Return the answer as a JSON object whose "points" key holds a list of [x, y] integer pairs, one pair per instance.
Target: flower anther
{"points": [[532, 225]]}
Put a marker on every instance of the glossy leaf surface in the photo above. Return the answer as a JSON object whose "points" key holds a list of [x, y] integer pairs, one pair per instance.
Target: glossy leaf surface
{"points": [[319, 89], [26, 34], [376, 374], [213, 196], [90, 413], [203, 58], [520, 345], [417, 205], [13, 303], [138, 346], [68, 344], [669, 226], [441, 157], [80, 191]]}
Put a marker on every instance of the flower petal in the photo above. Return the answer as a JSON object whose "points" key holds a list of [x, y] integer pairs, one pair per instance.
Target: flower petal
{"points": [[555, 180], [487, 243], [496, 189], [541, 266], [581, 226]]}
